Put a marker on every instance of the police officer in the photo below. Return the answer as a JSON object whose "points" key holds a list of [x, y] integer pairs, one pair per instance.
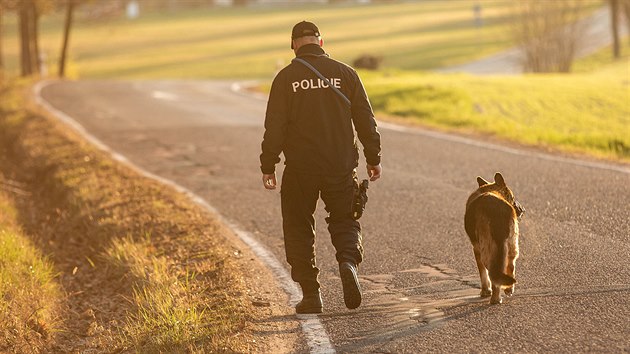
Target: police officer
{"points": [[312, 124]]}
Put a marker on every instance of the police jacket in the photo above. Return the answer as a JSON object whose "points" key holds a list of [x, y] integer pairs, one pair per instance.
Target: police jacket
{"points": [[312, 125]]}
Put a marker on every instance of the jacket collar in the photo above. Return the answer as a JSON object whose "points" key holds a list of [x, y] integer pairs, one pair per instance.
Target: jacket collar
{"points": [[311, 50]]}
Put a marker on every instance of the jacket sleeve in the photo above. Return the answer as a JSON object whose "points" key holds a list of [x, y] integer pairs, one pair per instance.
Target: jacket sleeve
{"points": [[365, 124], [276, 120]]}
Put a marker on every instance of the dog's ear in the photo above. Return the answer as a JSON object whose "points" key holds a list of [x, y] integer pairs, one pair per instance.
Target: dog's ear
{"points": [[482, 182], [498, 179]]}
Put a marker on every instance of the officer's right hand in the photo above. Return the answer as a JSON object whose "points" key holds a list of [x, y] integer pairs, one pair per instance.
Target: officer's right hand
{"points": [[269, 181], [374, 172]]}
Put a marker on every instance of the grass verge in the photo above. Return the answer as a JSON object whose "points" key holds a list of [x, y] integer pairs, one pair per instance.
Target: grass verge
{"points": [[29, 294], [140, 266], [587, 113]]}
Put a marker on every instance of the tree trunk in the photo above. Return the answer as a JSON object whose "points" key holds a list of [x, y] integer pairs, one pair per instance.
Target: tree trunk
{"points": [[25, 52], [66, 38], [34, 38], [614, 13], [1, 54], [626, 11]]}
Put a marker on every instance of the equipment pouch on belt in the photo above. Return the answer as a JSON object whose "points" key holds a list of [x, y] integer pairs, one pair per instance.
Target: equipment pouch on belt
{"points": [[360, 198]]}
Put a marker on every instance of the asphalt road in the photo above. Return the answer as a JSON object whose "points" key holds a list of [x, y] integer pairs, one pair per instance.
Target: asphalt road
{"points": [[419, 275]]}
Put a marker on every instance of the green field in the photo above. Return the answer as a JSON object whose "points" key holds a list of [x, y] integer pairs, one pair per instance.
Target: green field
{"points": [[252, 42]]}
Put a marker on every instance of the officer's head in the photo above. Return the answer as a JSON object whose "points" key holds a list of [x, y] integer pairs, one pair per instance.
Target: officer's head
{"points": [[305, 33]]}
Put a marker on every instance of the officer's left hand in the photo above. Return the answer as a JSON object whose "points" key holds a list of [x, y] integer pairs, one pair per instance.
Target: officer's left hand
{"points": [[269, 181]]}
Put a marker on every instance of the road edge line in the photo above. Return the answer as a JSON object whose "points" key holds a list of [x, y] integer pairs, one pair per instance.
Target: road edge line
{"points": [[506, 149], [314, 332]]}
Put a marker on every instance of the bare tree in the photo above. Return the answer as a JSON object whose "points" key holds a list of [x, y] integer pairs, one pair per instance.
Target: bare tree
{"points": [[614, 16], [625, 4], [25, 36], [34, 40], [549, 33], [66, 38], [1, 54], [28, 15]]}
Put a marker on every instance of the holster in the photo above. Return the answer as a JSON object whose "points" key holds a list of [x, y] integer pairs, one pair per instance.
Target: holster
{"points": [[360, 198]]}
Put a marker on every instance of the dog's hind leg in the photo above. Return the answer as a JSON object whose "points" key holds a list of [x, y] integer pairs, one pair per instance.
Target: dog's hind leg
{"points": [[483, 273], [511, 258], [511, 270]]}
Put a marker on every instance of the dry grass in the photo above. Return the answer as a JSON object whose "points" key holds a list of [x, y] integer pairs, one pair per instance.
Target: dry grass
{"points": [[171, 309], [29, 295], [141, 267]]}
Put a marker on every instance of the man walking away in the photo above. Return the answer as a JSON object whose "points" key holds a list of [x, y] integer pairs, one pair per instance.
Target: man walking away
{"points": [[313, 104]]}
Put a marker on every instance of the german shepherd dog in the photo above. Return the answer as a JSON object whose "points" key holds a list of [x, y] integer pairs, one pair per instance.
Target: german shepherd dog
{"points": [[491, 222]]}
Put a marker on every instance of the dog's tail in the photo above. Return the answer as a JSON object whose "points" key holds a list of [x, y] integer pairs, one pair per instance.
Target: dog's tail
{"points": [[497, 268]]}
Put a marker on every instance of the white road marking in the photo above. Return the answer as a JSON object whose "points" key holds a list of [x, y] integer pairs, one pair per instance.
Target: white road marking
{"points": [[314, 332], [166, 96]]}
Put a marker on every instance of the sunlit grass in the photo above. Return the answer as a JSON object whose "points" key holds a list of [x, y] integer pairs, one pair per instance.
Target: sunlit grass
{"points": [[588, 112], [171, 310], [174, 288], [585, 112], [603, 61], [29, 294], [582, 113]]}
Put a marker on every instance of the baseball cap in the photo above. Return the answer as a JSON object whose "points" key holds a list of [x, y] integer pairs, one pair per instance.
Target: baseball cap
{"points": [[303, 29]]}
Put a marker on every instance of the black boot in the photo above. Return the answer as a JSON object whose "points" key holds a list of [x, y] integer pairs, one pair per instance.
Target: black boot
{"points": [[350, 283], [311, 302]]}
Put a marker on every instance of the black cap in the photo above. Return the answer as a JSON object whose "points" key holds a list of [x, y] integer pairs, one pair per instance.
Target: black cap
{"points": [[303, 29]]}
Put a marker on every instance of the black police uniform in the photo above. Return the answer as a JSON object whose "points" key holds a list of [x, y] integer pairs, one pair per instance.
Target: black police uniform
{"points": [[313, 126]]}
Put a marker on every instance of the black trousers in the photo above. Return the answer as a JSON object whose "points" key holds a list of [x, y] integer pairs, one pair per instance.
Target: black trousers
{"points": [[299, 195]]}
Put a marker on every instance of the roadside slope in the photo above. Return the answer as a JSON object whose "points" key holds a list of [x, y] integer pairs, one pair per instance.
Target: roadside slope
{"points": [[29, 295], [141, 266]]}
